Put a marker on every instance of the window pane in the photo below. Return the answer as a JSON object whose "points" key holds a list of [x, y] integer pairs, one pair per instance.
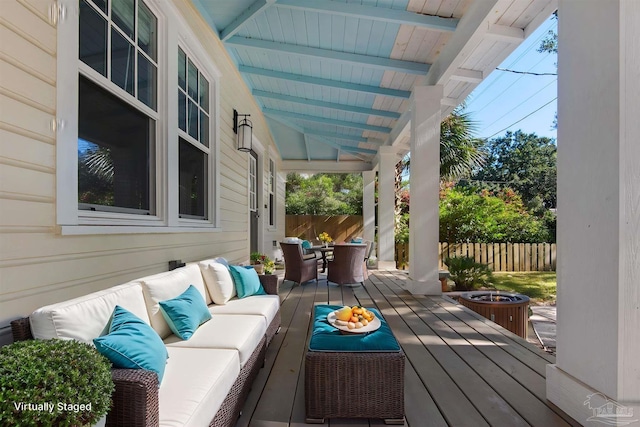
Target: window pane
{"points": [[147, 31], [146, 81], [115, 152], [192, 120], [272, 209], [193, 181], [204, 93], [182, 110], [93, 39], [102, 5], [122, 61], [193, 81], [182, 69], [122, 14], [204, 128]]}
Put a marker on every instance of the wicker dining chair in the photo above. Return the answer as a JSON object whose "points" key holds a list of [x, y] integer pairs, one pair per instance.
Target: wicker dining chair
{"points": [[347, 265], [298, 267]]}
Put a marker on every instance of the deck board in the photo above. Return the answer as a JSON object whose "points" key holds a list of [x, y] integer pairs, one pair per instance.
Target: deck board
{"points": [[461, 370], [446, 347]]}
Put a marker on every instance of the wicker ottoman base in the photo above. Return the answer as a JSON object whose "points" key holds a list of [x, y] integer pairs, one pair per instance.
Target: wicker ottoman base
{"points": [[354, 385]]}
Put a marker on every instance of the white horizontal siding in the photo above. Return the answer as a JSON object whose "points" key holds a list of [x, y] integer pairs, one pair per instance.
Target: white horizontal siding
{"points": [[38, 265]]}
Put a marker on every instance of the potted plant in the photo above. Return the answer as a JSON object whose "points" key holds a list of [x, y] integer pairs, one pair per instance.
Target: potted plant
{"points": [[53, 383], [466, 273], [262, 263]]}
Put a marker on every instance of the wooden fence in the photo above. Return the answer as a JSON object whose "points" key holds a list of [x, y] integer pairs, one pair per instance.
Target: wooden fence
{"points": [[342, 228], [499, 256]]}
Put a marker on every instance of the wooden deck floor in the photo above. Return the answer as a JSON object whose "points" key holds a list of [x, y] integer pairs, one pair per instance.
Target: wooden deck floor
{"points": [[462, 370]]}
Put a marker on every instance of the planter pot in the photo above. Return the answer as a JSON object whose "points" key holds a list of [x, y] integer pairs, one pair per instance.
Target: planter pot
{"points": [[259, 268], [508, 310]]}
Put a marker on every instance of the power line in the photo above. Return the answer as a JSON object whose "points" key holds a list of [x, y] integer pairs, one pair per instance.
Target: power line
{"points": [[513, 83], [515, 123], [533, 45], [525, 100], [527, 72]]}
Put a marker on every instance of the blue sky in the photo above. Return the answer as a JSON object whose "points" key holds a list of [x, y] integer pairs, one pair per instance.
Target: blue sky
{"points": [[503, 100]]}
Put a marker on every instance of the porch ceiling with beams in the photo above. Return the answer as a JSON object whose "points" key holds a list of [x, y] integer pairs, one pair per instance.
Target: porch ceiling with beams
{"points": [[334, 77]]}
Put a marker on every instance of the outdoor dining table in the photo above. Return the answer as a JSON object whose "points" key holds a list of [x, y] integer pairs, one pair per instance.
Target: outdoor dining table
{"points": [[324, 251]]}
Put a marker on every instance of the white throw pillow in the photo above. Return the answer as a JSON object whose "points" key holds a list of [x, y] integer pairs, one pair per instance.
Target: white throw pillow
{"points": [[218, 281]]}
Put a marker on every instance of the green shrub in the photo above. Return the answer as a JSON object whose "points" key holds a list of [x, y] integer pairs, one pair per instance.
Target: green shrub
{"points": [[53, 382], [466, 273], [466, 216]]}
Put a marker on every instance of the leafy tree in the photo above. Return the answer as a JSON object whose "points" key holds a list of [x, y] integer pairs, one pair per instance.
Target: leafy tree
{"points": [[460, 154], [526, 163], [467, 216], [550, 45], [324, 194]]}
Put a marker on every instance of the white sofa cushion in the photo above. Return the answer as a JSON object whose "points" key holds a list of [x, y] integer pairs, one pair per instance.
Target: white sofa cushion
{"points": [[262, 305], [218, 281], [87, 317], [196, 382], [168, 285], [242, 333]]}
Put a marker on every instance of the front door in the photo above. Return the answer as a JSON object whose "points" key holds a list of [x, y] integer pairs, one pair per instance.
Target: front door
{"points": [[254, 213]]}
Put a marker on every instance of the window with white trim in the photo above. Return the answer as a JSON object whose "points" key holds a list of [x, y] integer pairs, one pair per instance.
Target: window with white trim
{"points": [[253, 184], [194, 134], [272, 193], [137, 121], [117, 107]]}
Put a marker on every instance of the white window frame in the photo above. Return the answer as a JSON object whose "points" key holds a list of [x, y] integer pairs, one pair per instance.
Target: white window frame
{"points": [[273, 204], [210, 150], [172, 32]]}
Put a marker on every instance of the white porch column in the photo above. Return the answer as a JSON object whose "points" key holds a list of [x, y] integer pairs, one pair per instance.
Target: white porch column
{"points": [[425, 187], [598, 329], [369, 205], [386, 206]]}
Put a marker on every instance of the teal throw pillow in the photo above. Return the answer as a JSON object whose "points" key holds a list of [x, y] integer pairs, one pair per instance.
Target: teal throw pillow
{"points": [[132, 344], [185, 313], [306, 244], [246, 281]]}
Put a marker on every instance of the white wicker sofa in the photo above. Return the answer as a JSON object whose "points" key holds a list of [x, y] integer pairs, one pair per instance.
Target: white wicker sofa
{"points": [[207, 377]]}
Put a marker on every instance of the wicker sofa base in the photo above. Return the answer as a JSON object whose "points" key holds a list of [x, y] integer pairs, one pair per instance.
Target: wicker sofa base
{"points": [[135, 399], [228, 414], [354, 385]]}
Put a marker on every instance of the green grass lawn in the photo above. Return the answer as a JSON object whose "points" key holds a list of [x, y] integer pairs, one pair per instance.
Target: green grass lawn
{"points": [[539, 286]]}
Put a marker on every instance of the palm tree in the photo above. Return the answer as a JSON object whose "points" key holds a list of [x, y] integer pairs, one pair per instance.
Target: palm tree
{"points": [[460, 151], [460, 154]]}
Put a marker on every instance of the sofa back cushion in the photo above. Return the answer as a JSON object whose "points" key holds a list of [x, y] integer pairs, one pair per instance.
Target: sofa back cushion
{"points": [[87, 317], [218, 281], [168, 285]]}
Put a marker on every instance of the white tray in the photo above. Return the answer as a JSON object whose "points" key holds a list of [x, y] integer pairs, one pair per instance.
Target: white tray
{"points": [[372, 326]]}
